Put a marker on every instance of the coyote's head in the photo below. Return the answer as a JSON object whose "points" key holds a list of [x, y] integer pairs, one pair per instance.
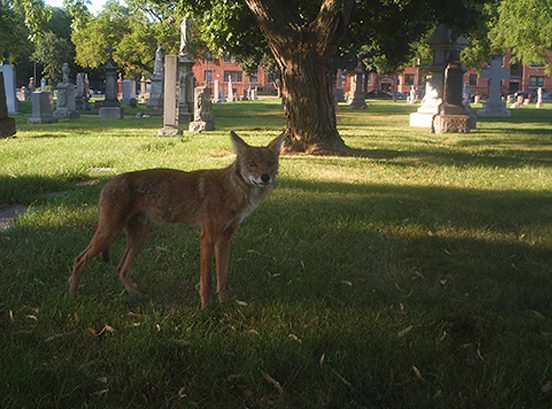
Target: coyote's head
{"points": [[258, 165]]}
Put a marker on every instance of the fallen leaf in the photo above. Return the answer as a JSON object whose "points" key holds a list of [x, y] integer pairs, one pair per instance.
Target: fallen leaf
{"points": [[32, 317], [295, 338], [322, 359], [158, 327], [101, 392], [538, 314], [253, 331], [11, 316], [405, 331], [345, 282], [181, 392], [547, 387], [272, 382], [242, 303], [418, 374], [102, 379]]}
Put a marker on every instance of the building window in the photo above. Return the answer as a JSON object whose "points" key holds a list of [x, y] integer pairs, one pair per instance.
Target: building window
{"points": [[515, 69], [207, 75], [236, 76], [368, 78], [537, 65], [208, 56], [227, 58], [409, 79], [253, 78], [536, 81], [473, 80]]}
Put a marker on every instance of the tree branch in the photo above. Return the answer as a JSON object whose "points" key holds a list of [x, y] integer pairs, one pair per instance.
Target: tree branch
{"points": [[331, 25]]}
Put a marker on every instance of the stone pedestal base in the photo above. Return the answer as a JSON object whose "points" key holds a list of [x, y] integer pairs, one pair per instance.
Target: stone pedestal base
{"points": [[358, 102], [7, 127], [169, 130], [451, 124], [43, 120], [111, 113], [200, 126], [66, 114], [497, 109], [421, 119]]}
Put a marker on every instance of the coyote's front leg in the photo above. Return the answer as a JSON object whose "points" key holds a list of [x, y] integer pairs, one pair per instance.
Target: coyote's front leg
{"points": [[222, 254]]}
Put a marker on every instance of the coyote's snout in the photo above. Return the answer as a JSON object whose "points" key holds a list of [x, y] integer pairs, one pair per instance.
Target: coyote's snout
{"points": [[215, 200]]}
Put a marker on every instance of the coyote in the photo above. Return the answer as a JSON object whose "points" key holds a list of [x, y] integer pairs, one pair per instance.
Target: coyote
{"points": [[216, 201]]}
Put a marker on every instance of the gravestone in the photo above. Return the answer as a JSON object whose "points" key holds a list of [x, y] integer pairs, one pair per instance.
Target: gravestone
{"points": [[111, 108], [129, 93], [81, 97], [186, 80], [31, 84], [466, 96], [9, 84], [203, 111], [452, 117], [494, 106], [413, 95], [43, 84], [440, 44], [540, 104], [143, 87], [357, 100], [230, 97], [7, 124], [42, 108], [216, 91], [254, 94], [245, 94], [65, 108], [170, 97], [156, 91]]}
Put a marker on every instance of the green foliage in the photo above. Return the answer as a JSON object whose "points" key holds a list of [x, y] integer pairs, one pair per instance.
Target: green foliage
{"points": [[525, 26], [129, 30], [52, 51], [14, 33]]}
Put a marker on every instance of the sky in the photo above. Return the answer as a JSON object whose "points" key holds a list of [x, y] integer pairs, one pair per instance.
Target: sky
{"points": [[94, 6]]}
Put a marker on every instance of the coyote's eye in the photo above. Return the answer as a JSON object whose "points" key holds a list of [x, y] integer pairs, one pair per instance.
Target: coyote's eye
{"points": [[252, 164]]}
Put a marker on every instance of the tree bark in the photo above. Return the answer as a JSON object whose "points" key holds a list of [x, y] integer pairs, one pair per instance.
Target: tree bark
{"points": [[303, 51]]}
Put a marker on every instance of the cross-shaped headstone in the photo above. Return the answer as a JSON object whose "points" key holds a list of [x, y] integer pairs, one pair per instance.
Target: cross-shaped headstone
{"points": [[495, 74]]}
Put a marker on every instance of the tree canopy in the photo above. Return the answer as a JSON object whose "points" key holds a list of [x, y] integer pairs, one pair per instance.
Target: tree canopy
{"points": [[525, 26]]}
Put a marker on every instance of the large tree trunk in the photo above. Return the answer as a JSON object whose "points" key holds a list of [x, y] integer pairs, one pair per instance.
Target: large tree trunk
{"points": [[303, 52]]}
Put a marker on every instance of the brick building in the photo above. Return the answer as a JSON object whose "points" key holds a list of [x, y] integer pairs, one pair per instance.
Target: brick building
{"points": [[211, 69], [523, 78]]}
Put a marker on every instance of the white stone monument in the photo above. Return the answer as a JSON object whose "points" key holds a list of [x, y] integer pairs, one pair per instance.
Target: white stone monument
{"points": [[540, 104], [494, 106], [440, 44], [9, 84], [7, 124], [216, 91], [230, 97]]}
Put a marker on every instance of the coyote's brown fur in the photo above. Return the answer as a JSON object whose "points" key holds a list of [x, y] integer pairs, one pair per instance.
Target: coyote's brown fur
{"points": [[215, 200]]}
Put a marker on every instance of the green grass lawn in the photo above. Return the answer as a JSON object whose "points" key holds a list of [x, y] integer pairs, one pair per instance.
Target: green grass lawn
{"points": [[416, 275]]}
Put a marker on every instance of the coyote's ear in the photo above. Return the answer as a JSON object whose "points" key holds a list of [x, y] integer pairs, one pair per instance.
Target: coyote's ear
{"points": [[276, 144], [239, 143]]}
